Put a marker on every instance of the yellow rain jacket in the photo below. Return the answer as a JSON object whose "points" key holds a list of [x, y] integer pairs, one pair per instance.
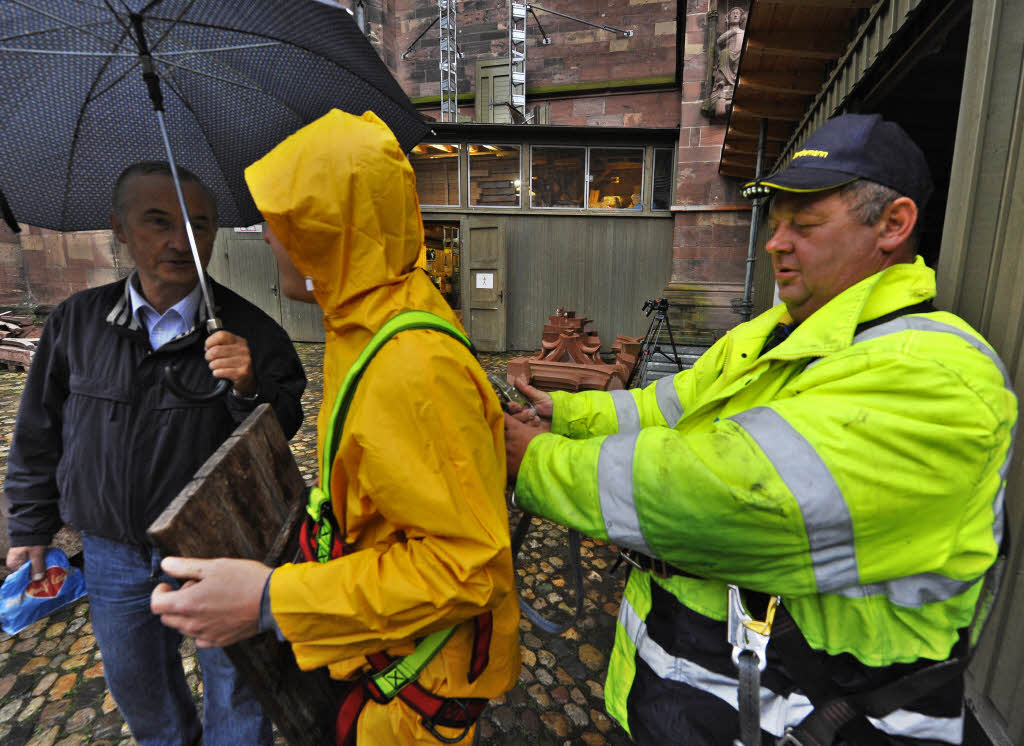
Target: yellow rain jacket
{"points": [[418, 482]]}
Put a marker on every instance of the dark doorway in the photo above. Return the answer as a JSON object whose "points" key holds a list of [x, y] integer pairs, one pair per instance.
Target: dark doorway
{"points": [[919, 87]]}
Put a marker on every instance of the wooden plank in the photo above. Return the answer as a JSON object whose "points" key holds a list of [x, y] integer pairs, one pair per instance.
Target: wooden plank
{"points": [[805, 83], [578, 261], [247, 501], [805, 43]]}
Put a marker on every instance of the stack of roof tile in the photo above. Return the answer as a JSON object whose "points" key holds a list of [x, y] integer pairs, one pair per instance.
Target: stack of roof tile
{"points": [[19, 336]]}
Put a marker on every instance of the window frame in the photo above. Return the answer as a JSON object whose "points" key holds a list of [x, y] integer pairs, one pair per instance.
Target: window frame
{"points": [[458, 171], [671, 185], [643, 174], [586, 165], [469, 176]]}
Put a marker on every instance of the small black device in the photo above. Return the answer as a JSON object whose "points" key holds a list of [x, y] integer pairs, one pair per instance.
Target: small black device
{"points": [[650, 347]]}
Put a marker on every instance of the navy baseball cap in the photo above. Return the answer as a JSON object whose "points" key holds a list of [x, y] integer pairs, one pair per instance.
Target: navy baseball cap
{"points": [[850, 147]]}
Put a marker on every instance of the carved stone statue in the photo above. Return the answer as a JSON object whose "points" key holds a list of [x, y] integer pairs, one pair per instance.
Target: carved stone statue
{"points": [[726, 62]]}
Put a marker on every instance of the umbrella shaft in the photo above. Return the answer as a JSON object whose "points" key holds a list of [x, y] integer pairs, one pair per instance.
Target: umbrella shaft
{"points": [[188, 223]]}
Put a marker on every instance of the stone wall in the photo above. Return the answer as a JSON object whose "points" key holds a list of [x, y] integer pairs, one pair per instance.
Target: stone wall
{"points": [[43, 267], [712, 219], [578, 54], [608, 109]]}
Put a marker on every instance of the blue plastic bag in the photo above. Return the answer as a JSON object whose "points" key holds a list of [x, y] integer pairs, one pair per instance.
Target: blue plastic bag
{"points": [[23, 600]]}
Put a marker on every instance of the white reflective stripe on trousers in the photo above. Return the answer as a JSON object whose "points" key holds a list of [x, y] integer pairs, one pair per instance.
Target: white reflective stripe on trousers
{"points": [[777, 712], [615, 491]]}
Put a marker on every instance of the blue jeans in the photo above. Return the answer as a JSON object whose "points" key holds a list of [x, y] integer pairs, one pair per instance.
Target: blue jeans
{"points": [[142, 664]]}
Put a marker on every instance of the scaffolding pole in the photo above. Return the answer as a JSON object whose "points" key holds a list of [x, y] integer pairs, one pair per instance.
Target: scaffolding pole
{"points": [[449, 60], [517, 61]]}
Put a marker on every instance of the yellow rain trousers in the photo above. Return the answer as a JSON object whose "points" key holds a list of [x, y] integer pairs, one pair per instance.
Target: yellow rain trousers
{"points": [[419, 478]]}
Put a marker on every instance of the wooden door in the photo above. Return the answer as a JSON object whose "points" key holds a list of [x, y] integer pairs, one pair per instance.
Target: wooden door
{"points": [[485, 262], [245, 263], [492, 91]]}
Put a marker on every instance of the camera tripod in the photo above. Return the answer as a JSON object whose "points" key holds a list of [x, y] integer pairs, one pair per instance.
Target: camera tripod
{"points": [[650, 346]]}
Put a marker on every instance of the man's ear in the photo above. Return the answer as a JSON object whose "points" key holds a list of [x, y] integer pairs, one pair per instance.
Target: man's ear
{"points": [[897, 224], [115, 225]]}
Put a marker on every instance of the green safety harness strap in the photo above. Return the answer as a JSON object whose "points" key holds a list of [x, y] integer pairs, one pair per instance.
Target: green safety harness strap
{"points": [[323, 540], [319, 497]]}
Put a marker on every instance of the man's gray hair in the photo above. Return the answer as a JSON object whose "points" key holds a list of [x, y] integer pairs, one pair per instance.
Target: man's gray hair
{"points": [[162, 168], [867, 200]]}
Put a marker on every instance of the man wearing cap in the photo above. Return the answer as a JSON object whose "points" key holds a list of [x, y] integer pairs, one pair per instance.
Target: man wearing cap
{"points": [[845, 452]]}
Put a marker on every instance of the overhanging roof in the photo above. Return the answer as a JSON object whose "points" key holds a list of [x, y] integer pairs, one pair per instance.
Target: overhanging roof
{"points": [[789, 48]]}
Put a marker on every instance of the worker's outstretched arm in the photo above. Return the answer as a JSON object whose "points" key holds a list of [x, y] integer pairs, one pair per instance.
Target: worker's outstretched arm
{"points": [[862, 474]]}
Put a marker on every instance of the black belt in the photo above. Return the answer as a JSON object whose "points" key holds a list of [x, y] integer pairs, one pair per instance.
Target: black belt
{"points": [[657, 567]]}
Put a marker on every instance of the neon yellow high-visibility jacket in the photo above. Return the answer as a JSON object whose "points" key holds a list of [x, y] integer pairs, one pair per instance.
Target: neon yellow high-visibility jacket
{"points": [[418, 481], [859, 477]]}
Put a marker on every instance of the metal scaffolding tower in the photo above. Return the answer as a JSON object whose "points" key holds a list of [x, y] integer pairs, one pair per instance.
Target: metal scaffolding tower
{"points": [[517, 61], [449, 61]]}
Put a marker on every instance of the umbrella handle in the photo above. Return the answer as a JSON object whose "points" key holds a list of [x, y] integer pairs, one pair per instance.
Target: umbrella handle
{"points": [[170, 379]]}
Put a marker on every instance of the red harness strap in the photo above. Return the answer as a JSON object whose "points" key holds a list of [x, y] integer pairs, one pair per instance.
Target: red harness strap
{"points": [[436, 711], [308, 533]]}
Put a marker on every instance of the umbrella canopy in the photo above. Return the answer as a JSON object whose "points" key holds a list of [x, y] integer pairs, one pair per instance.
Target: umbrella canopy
{"points": [[236, 76]]}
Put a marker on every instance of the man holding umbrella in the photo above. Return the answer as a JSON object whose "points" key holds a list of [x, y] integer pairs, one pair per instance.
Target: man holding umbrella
{"points": [[103, 442]]}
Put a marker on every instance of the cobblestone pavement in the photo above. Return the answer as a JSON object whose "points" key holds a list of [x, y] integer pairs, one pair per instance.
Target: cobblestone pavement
{"points": [[52, 689]]}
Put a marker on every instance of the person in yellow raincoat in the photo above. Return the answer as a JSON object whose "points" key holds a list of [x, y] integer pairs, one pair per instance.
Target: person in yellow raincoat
{"points": [[418, 481]]}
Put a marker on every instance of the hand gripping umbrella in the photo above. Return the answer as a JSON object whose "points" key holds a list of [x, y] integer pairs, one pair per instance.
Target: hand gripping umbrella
{"points": [[238, 76]]}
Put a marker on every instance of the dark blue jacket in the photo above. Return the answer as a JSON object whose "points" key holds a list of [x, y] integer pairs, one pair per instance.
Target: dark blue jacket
{"points": [[101, 436]]}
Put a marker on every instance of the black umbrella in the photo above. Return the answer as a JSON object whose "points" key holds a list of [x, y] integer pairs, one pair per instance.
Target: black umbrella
{"points": [[87, 84], [236, 76]]}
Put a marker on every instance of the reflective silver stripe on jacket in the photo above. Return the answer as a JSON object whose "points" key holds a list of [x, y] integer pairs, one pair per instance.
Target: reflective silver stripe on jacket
{"points": [[668, 400], [615, 490], [626, 411], [777, 712], [924, 324], [826, 516]]}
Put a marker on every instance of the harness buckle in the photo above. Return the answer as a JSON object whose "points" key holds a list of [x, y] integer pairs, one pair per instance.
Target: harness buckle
{"points": [[431, 726], [745, 633], [317, 499]]}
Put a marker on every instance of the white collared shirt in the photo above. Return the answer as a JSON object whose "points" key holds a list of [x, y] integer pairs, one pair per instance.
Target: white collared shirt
{"points": [[174, 322]]}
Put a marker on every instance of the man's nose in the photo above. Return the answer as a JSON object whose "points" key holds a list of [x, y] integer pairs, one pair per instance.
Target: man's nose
{"points": [[778, 242], [179, 238]]}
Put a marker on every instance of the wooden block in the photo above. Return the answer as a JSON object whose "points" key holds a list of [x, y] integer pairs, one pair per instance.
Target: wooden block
{"points": [[247, 501], [16, 358], [19, 343]]}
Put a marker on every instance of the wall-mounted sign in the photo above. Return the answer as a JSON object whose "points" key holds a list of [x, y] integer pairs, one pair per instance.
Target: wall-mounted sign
{"points": [[485, 280]]}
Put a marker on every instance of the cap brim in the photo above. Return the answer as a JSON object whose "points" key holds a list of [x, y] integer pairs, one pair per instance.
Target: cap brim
{"points": [[798, 180]]}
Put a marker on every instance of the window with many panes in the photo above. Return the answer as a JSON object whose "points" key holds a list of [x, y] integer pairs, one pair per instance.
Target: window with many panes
{"points": [[571, 177]]}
